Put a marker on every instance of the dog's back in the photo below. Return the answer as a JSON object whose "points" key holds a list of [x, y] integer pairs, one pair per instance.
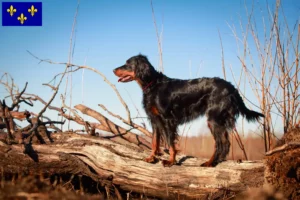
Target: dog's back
{"points": [[185, 100]]}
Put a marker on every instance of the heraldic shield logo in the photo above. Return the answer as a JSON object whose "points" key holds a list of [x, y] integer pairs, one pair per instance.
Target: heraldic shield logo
{"points": [[21, 13]]}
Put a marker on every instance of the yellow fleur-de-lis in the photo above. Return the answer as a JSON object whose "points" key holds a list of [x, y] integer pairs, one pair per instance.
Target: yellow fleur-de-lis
{"points": [[11, 10], [32, 10], [22, 18]]}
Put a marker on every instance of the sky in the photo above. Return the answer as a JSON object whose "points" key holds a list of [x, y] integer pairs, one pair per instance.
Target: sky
{"points": [[108, 32]]}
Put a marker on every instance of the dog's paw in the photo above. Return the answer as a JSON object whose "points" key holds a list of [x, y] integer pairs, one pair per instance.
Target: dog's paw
{"points": [[168, 163], [151, 159]]}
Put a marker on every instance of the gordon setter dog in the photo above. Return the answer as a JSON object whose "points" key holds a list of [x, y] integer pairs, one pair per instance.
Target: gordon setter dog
{"points": [[170, 102]]}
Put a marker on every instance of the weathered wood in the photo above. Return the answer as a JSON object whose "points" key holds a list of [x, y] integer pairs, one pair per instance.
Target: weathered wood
{"points": [[15, 114], [123, 165]]}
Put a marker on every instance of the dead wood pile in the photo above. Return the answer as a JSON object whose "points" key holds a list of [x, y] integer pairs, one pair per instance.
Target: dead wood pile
{"points": [[283, 165]]}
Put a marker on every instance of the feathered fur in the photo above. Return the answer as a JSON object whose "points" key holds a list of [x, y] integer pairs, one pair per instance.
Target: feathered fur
{"points": [[170, 102]]}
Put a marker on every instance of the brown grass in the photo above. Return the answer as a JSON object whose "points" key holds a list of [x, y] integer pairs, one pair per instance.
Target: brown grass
{"points": [[203, 146]]}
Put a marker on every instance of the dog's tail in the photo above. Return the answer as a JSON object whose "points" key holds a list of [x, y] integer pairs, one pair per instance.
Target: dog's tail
{"points": [[250, 115]]}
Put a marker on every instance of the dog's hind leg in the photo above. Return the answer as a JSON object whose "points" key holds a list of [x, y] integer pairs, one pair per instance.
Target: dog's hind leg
{"points": [[212, 161], [170, 134], [225, 146], [222, 144]]}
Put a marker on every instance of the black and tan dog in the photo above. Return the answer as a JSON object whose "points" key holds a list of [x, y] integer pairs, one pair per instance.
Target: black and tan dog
{"points": [[170, 102]]}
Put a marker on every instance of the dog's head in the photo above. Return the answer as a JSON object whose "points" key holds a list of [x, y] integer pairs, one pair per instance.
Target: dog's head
{"points": [[136, 68]]}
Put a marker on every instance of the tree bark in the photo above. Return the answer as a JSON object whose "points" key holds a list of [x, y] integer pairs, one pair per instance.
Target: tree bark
{"points": [[122, 165]]}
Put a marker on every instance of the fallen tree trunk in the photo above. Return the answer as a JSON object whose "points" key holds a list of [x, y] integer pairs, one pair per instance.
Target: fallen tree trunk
{"points": [[122, 166]]}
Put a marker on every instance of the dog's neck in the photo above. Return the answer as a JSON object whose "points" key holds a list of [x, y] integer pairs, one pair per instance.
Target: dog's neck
{"points": [[148, 86], [149, 82]]}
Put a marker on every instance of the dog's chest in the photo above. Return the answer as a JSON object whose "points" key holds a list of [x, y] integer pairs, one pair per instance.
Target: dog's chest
{"points": [[151, 105]]}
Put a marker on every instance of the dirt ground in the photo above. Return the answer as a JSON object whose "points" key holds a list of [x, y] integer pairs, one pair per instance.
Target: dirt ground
{"points": [[33, 187]]}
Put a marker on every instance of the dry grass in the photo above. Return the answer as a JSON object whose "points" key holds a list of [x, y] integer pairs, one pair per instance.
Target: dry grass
{"points": [[203, 146]]}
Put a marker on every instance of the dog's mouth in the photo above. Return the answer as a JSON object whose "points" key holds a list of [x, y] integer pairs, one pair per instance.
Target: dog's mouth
{"points": [[126, 78]]}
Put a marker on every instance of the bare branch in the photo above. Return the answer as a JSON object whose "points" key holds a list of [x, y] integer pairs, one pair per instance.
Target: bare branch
{"points": [[136, 126], [283, 147], [158, 40], [99, 73], [222, 55]]}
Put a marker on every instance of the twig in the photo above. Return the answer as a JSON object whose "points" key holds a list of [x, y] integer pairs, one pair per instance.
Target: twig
{"points": [[73, 111], [51, 86], [96, 71], [17, 100], [34, 97], [222, 55], [240, 143], [137, 110], [158, 39], [136, 126], [283, 147]]}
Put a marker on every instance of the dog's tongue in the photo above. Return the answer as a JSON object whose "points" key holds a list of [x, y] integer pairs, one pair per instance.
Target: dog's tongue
{"points": [[124, 79]]}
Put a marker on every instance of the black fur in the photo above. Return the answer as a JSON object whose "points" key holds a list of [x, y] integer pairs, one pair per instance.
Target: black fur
{"points": [[170, 102]]}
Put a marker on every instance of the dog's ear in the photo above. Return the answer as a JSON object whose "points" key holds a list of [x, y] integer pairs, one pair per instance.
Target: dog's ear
{"points": [[143, 69]]}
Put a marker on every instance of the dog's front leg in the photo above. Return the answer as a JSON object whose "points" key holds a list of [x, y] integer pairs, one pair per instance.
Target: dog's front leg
{"points": [[172, 159], [155, 147]]}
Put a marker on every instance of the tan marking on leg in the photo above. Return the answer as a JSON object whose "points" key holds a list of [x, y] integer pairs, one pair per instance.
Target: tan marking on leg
{"points": [[155, 148], [172, 159], [154, 110]]}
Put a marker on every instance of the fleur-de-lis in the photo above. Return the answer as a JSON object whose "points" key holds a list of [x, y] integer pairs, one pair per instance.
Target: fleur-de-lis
{"points": [[22, 18], [32, 10], [11, 10]]}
